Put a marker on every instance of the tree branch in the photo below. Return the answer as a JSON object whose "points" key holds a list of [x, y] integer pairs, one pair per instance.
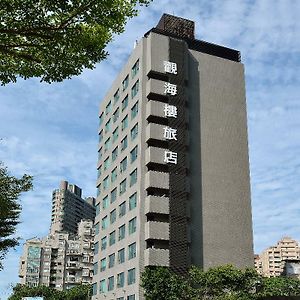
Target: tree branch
{"points": [[25, 56]]}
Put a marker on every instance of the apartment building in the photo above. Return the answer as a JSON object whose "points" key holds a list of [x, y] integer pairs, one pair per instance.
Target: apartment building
{"points": [[173, 183]]}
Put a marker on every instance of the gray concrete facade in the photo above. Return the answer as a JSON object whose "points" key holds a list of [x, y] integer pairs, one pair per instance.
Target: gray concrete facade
{"points": [[208, 221]]}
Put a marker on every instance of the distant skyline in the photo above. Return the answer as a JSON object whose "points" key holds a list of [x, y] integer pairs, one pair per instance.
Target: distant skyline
{"points": [[50, 131]]}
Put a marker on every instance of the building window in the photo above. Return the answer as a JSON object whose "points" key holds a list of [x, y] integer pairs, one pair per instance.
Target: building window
{"points": [[124, 143], [94, 288], [123, 187], [99, 171], [125, 83], [102, 287], [105, 202], [132, 251], [99, 190], [97, 228], [122, 209], [135, 68], [116, 96], [123, 165], [132, 201], [132, 226], [107, 145], [120, 280], [134, 132], [114, 175], [112, 238], [135, 89], [131, 276], [115, 134], [105, 183], [100, 154], [95, 270], [133, 177], [121, 256], [134, 110], [124, 123], [97, 209], [103, 243], [103, 264], [107, 126], [108, 108], [131, 297], [125, 103], [106, 163], [113, 216], [104, 223], [96, 248], [122, 232], [101, 119], [133, 154], [111, 260], [116, 115], [110, 283], [113, 195], [100, 136], [114, 154]]}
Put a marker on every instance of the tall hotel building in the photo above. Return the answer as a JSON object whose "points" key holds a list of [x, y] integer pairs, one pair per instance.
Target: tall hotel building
{"points": [[173, 170]]}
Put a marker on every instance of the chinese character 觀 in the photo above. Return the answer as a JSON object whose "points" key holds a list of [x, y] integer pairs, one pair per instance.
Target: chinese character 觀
{"points": [[170, 133], [170, 111], [170, 157], [170, 88], [170, 67]]}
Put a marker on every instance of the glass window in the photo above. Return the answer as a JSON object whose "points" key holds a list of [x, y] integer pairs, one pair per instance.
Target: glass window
{"points": [[124, 143], [133, 154], [116, 115], [122, 232], [123, 187], [121, 256], [123, 165], [104, 223], [106, 183], [132, 226], [115, 134], [135, 89], [107, 145], [108, 108], [103, 243], [113, 195], [131, 297], [122, 209], [100, 136], [131, 276], [99, 190], [101, 119], [111, 260], [100, 154], [114, 175], [120, 280], [133, 177], [135, 68], [106, 163], [132, 201], [125, 123], [107, 126], [102, 287], [134, 110], [97, 228], [132, 251], [103, 264], [113, 216], [99, 171], [125, 83], [134, 132], [125, 103], [95, 289], [112, 238], [116, 96], [97, 209], [95, 268], [110, 283], [105, 202], [96, 248], [114, 154]]}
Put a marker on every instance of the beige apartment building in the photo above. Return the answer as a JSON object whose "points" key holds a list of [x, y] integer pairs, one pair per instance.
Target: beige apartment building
{"points": [[173, 183], [271, 262], [60, 260]]}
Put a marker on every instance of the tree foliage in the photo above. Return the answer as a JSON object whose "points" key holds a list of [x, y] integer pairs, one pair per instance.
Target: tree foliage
{"points": [[80, 292], [219, 283], [57, 39], [10, 190]]}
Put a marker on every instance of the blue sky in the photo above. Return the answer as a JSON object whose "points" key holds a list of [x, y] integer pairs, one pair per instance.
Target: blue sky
{"points": [[50, 131]]}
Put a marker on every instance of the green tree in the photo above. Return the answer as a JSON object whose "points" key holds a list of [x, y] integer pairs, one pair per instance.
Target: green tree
{"points": [[10, 190], [57, 39], [161, 283]]}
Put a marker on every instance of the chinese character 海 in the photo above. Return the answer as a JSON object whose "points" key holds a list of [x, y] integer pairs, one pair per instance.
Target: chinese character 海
{"points": [[170, 111], [170, 88], [170, 133], [170, 157], [170, 67]]}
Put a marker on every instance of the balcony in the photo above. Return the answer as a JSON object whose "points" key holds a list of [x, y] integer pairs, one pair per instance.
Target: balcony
{"points": [[155, 204], [157, 231], [157, 180], [157, 257]]}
